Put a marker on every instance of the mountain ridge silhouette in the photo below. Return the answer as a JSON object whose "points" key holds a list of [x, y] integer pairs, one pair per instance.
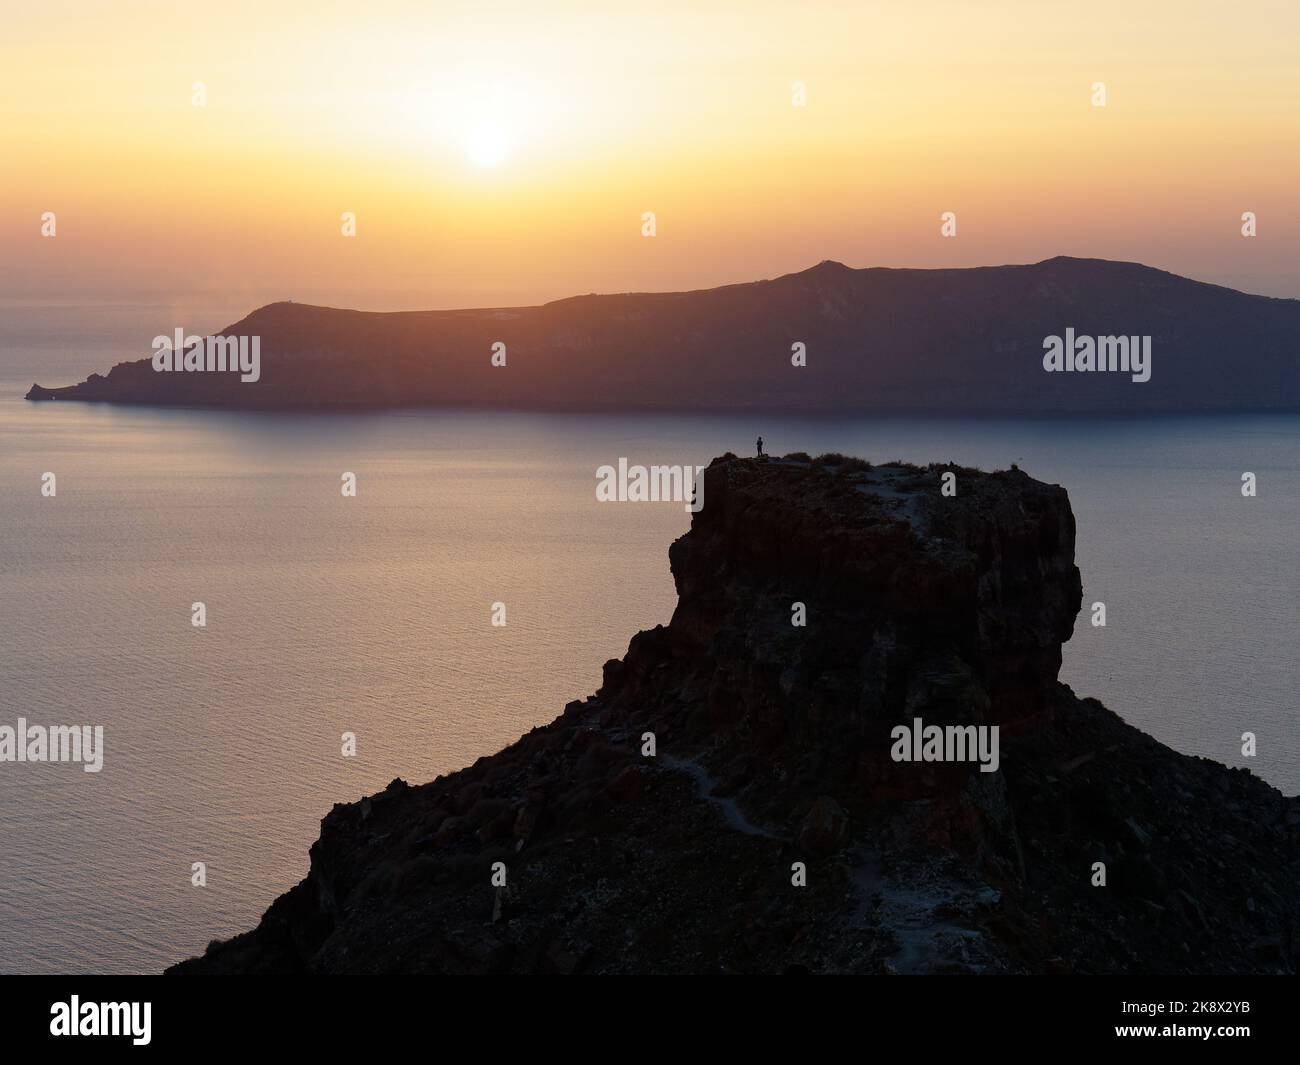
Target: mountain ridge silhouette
{"points": [[877, 339]]}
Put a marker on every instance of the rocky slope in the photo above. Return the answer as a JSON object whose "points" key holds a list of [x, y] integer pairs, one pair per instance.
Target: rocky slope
{"points": [[947, 341], [773, 747]]}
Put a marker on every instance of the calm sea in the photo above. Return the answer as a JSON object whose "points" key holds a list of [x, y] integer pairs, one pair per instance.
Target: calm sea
{"points": [[372, 615]]}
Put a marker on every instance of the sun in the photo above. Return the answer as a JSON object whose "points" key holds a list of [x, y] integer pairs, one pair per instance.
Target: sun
{"points": [[487, 144]]}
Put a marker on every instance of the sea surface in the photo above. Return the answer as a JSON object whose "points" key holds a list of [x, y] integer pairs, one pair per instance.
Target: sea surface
{"points": [[372, 615]]}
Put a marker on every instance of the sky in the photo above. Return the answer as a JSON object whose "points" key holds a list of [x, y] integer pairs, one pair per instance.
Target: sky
{"points": [[506, 153]]}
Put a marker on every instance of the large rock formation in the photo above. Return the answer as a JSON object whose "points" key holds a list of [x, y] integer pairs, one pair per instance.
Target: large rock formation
{"points": [[887, 340], [773, 747]]}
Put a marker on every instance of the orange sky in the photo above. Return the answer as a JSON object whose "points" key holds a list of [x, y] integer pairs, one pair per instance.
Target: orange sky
{"points": [[505, 153]]}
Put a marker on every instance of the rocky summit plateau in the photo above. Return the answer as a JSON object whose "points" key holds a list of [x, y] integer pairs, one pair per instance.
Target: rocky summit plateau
{"points": [[773, 753]]}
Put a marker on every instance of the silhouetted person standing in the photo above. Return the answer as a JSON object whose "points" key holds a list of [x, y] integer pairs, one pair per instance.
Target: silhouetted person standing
{"points": [[760, 447]]}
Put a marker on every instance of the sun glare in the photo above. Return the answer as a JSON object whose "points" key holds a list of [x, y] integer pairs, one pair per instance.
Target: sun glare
{"points": [[487, 145]]}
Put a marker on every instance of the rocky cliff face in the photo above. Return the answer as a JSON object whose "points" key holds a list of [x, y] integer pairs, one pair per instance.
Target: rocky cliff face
{"points": [[774, 752]]}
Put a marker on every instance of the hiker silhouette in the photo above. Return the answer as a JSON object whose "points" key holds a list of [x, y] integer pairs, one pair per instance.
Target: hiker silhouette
{"points": [[760, 445]]}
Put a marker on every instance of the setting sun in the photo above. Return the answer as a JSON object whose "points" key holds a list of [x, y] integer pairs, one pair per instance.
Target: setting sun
{"points": [[487, 145], [759, 140]]}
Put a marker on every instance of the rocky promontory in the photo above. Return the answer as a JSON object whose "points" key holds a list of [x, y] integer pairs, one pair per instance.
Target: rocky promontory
{"points": [[732, 800]]}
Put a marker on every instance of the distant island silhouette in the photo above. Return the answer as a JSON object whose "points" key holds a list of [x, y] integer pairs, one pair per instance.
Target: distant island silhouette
{"points": [[948, 341]]}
